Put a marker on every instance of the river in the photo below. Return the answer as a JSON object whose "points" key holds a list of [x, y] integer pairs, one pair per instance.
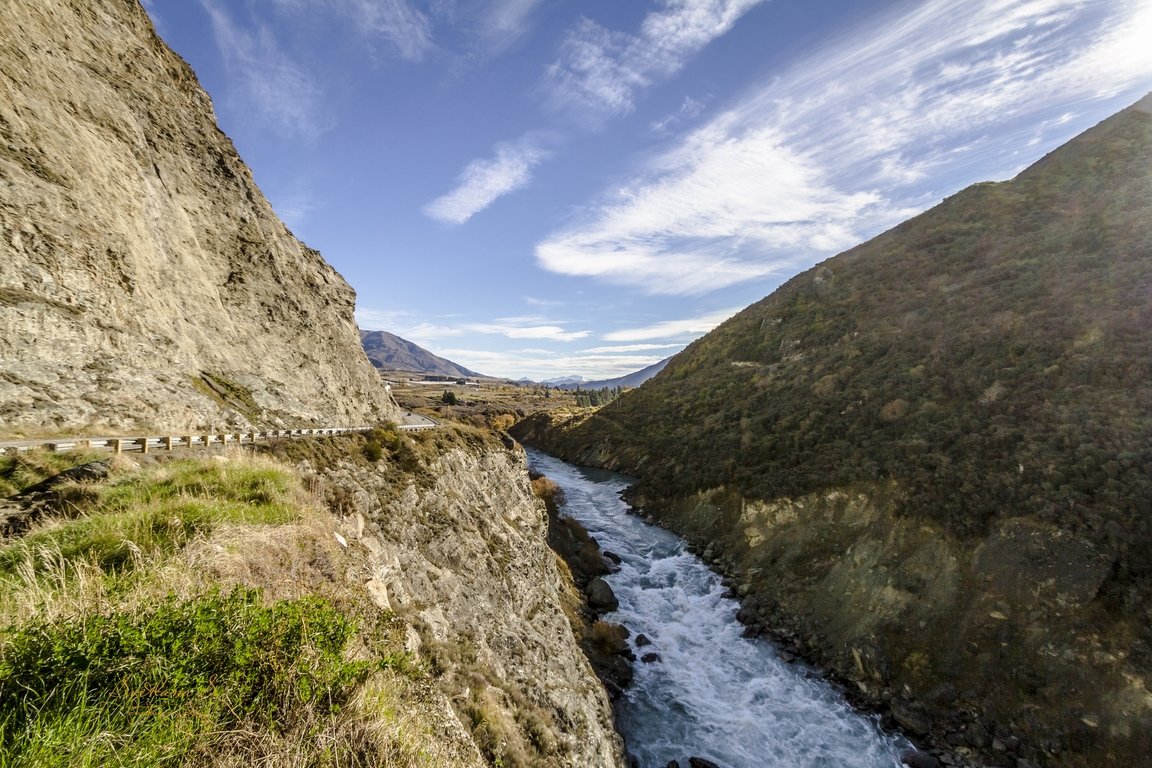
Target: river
{"points": [[713, 693]]}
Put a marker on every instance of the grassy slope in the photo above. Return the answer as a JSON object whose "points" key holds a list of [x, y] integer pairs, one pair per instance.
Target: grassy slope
{"points": [[192, 613]]}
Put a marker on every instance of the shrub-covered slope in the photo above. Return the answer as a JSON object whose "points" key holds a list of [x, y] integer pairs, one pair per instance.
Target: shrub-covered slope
{"points": [[979, 377], [992, 355]]}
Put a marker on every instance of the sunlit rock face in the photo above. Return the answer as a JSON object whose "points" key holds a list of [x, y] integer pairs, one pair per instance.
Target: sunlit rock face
{"points": [[144, 279], [462, 556]]}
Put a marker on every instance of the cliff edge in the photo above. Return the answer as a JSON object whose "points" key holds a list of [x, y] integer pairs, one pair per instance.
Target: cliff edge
{"points": [[144, 279]]}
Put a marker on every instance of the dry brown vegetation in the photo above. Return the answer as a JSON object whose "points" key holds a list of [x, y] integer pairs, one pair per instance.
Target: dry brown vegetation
{"points": [[491, 405]]}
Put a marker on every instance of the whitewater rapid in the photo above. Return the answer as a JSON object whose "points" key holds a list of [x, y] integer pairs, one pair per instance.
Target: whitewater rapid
{"points": [[713, 694]]}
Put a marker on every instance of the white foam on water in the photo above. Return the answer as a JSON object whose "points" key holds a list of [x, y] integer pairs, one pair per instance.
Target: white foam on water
{"points": [[713, 694]]}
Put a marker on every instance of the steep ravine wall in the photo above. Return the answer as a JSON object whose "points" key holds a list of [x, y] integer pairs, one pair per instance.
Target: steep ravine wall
{"points": [[145, 281], [1011, 647], [461, 554]]}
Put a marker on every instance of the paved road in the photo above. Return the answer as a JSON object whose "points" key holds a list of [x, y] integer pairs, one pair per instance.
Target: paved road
{"points": [[409, 422]]}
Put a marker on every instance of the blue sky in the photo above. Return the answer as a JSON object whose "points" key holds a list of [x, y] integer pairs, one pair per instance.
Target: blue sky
{"points": [[541, 188]]}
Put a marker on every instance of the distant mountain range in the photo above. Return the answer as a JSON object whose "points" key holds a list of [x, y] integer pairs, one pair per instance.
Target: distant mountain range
{"points": [[634, 379], [389, 352]]}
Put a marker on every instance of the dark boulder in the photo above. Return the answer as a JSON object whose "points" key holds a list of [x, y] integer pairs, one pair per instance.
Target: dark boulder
{"points": [[910, 718], [600, 596], [915, 759], [642, 640], [700, 762], [649, 658]]}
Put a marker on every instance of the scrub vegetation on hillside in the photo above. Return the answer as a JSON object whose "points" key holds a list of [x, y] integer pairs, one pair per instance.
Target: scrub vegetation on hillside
{"points": [[929, 459], [990, 356]]}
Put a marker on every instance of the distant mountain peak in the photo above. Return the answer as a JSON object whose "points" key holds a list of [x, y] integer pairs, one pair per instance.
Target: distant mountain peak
{"points": [[389, 352], [633, 379]]}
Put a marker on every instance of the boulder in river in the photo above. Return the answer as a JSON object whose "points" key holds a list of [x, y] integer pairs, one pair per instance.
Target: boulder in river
{"points": [[700, 762], [915, 759], [910, 718], [600, 596]]}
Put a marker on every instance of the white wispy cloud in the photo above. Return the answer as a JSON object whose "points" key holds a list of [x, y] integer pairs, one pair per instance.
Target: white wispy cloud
{"points": [[541, 364], [620, 349], [506, 21], [395, 21], [401, 25], [421, 330], [864, 133], [674, 329], [266, 79], [516, 331], [598, 74], [482, 182], [598, 362], [600, 71], [292, 205], [689, 109]]}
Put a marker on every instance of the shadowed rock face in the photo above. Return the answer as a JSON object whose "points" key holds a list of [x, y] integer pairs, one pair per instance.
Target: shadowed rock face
{"points": [[144, 278]]}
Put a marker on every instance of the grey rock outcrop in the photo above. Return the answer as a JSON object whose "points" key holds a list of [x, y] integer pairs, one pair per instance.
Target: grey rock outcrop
{"points": [[145, 281], [463, 558], [601, 598]]}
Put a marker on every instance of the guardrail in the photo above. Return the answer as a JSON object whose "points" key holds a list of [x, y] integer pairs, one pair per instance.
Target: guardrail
{"points": [[148, 444]]}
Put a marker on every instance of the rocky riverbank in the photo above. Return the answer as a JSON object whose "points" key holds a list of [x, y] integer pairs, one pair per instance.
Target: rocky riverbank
{"points": [[459, 551], [999, 651]]}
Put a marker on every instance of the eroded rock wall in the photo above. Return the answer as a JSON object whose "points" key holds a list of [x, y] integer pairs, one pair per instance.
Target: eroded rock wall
{"points": [[145, 281], [461, 554]]}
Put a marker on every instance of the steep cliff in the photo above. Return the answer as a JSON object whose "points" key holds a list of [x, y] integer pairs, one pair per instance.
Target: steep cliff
{"points": [[928, 461], [458, 550], [144, 279]]}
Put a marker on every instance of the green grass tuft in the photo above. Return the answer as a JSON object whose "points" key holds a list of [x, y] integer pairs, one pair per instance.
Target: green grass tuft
{"points": [[157, 511], [150, 687]]}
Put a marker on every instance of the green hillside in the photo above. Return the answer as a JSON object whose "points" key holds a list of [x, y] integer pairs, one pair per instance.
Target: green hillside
{"points": [[991, 355], [927, 462]]}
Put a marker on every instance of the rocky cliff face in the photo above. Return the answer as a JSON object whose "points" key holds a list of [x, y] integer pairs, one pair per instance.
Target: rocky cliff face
{"points": [[460, 554], [144, 279]]}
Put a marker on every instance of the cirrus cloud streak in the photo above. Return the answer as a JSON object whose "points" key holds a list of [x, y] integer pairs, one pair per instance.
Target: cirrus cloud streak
{"points": [[861, 135], [483, 181]]}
